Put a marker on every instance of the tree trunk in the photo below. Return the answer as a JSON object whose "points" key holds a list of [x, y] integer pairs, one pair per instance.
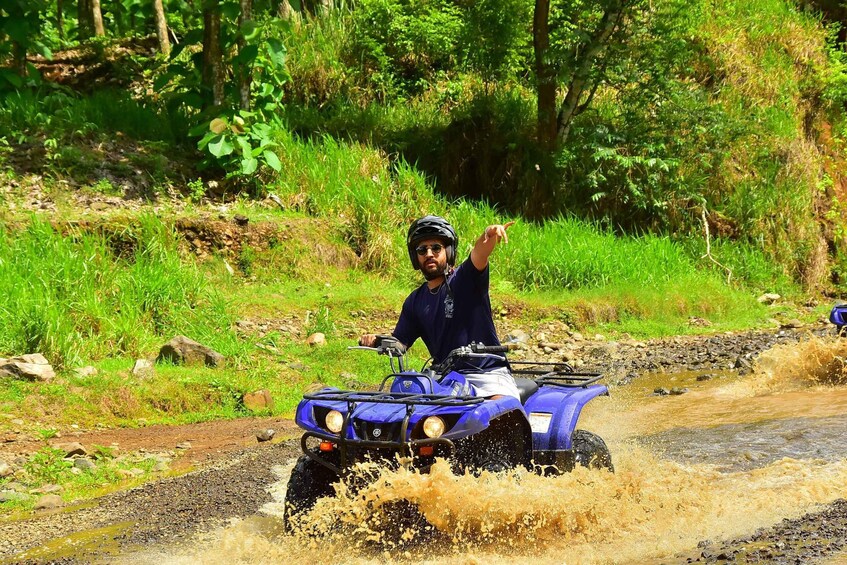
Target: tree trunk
{"points": [[245, 69], [19, 58], [213, 76], [545, 75], [579, 80], [60, 19], [83, 16], [97, 18], [161, 27]]}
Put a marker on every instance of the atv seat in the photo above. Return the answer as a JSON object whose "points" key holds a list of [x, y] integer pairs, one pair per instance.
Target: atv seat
{"points": [[526, 387]]}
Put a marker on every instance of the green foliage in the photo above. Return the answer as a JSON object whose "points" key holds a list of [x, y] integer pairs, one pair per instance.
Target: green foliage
{"points": [[240, 146], [48, 465], [72, 298], [404, 45]]}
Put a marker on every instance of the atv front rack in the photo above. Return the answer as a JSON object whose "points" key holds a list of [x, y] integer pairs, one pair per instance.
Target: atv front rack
{"points": [[380, 397], [405, 448]]}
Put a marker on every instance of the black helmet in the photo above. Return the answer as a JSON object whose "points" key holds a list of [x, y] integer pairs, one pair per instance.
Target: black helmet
{"points": [[430, 227]]}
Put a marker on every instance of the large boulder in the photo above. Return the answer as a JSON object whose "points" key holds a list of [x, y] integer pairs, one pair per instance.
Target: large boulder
{"points": [[184, 351], [33, 367]]}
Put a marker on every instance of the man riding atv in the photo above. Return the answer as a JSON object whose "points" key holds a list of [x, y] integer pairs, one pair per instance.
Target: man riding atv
{"points": [[465, 407], [452, 307]]}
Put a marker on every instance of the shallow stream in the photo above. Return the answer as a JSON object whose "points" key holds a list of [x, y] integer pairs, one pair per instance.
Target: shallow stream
{"points": [[729, 456]]}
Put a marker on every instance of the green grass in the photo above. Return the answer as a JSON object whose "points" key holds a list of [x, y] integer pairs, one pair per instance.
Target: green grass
{"points": [[82, 295]]}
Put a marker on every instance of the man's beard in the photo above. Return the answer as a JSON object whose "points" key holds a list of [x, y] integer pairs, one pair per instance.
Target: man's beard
{"points": [[432, 275]]}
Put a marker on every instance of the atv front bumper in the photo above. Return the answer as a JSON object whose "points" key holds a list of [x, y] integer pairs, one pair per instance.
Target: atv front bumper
{"points": [[351, 450]]}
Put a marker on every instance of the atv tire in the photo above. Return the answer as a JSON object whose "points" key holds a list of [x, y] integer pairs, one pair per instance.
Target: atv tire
{"points": [[309, 481], [591, 451]]}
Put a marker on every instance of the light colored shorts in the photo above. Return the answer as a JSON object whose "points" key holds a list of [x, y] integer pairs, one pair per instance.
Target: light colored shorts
{"points": [[496, 381]]}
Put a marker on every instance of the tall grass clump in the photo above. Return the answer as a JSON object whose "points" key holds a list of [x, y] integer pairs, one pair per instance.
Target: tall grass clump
{"points": [[372, 196], [57, 113], [72, 298]]}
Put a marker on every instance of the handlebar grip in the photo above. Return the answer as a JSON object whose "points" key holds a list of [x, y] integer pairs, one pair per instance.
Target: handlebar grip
{"points": [[479, 348]]}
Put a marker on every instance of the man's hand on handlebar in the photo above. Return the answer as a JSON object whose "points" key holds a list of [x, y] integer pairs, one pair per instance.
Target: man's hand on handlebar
{"points": [[368, 340]]}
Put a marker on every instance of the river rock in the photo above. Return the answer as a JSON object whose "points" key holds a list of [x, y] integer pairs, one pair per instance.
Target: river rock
{"points": [[258, 400], [12, 496], [184, 351], [265, 435], [517, 336], [84, 372], [71, 448], [143, 369], [49, 502], [84, 464], [32, 367], [316, 340]]}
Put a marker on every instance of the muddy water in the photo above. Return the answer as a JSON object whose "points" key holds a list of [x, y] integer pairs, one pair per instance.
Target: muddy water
{"points": [[728, 457]]}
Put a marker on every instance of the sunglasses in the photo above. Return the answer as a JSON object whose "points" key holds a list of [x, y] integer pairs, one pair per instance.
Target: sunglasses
{"points": [[436, 249]]}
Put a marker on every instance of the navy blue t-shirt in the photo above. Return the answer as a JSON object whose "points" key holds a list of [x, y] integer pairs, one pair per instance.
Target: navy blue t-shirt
{"points": [[450, 319]]}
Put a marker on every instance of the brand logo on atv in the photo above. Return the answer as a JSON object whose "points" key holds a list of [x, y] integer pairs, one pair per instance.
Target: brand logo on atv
{"points": [[407, 384], [377, 432]]}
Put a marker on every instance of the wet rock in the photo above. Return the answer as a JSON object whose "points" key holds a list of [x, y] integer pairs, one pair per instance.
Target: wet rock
{"points": [[316, 340], [48, 489], [769, 298], [84, 464], [517, 336], [258, 400], [265, 435], [32, 367], [12, 496], [184, 351], [143, 369], [84, 372], [71, 448]]}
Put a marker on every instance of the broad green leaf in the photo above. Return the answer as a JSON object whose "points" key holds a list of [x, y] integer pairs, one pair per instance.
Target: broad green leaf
{"points": [[248, 166], [246, 150], [11, 77], [247, 55], [249, 30], [272, 160], [42, 50], [220, 146], [276, 51], [218, 125]]}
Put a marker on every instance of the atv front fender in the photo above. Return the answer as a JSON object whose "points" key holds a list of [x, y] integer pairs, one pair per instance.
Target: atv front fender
{"points": [[553, 413]]}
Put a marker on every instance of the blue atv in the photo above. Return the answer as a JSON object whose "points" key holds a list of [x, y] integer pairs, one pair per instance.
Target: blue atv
{"points": [[434, 413], [838, 316]]}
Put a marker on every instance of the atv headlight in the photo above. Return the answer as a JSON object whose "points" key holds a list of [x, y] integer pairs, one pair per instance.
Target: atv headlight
{"points": [[434, 427], [334, 420]]}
